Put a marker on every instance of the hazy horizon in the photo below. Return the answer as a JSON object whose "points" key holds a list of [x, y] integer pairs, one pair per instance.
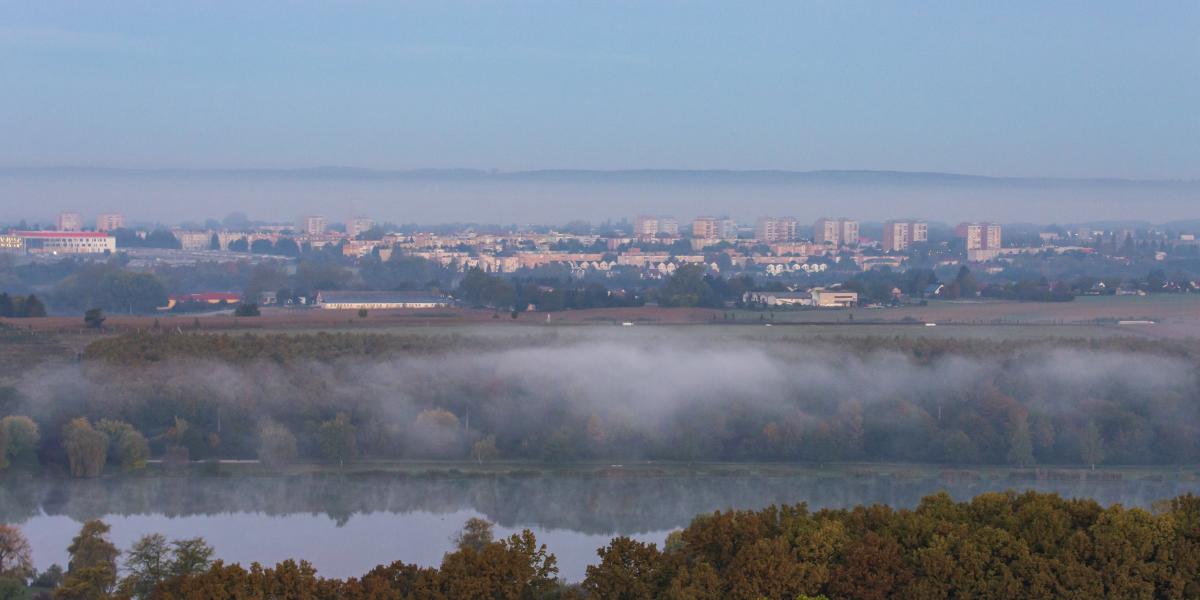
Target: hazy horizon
{"points": [[555, 197], [1034, 92]]}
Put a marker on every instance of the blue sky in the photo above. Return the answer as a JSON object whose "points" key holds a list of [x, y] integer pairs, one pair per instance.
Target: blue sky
{"points": [[1067, 89]]}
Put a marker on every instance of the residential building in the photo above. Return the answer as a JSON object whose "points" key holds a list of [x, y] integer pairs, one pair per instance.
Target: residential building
{"points": [[67, 242], [773, 230], [314, 225], [193, 240], [69, 221], [647, 226], [899, 235], [380, 300], [110, 222], [359, 225], [713, 228], [982, 240], [836, 232]]}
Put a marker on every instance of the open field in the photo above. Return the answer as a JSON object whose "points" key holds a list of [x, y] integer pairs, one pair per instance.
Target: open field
{"points": [[1175, 316]]}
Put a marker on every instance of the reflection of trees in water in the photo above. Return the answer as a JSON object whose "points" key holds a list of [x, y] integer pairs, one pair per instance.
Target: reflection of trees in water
{"points": [[590, 504]]}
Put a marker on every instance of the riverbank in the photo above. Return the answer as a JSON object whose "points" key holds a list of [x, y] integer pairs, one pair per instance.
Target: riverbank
{"points": [[442, 469]]}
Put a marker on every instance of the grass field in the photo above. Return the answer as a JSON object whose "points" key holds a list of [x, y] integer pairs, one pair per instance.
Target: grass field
{"points": [[1176, 316]]}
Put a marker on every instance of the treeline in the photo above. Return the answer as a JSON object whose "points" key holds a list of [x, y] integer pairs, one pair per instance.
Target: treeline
{"points": [[998, 545], [97, 568], [314, 397], [18, 307], [149, 347]]}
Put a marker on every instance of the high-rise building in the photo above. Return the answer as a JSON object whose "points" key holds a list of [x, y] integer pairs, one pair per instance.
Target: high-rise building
{"points": [[110, 222], [359, 225], [646, 226], [982, 240], [69, 221], [314, 225], [772, 230], [899, 235], [713, 228], [836, 232]]}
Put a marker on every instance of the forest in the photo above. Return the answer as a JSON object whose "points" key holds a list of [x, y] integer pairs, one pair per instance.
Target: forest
{"points": [[997, 545], [563, 398]]}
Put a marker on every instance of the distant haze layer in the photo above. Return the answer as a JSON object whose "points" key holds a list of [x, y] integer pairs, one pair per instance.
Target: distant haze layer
{"points": [[549, 197]]}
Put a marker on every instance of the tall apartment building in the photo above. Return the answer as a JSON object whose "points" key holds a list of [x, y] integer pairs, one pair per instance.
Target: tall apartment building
{"points": [[713, 228], [982, 240], [772, 230], [110, 222], [314, 225], [646, 226], [836, 232], [899, 235], [358, 225], [69, 221]]}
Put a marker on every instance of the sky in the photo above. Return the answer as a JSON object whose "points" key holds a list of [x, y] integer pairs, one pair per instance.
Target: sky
{"points": [[1022, 88]]}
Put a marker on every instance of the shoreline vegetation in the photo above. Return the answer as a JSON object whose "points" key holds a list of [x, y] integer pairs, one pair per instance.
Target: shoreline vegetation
{"points": [[360, 399], [995, 545], [446, 469]]}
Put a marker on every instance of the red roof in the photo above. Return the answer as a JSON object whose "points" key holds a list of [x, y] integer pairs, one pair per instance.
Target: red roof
{"points": [[60, 234]]}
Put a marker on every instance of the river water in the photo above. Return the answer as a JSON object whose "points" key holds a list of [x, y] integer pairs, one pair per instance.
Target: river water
{"points": [[346, 524]]}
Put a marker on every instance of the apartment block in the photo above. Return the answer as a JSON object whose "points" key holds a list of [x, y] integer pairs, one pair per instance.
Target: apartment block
{"points": [[899, 235], [773, 230]]}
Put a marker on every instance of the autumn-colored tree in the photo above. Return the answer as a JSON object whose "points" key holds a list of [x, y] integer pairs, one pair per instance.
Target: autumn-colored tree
{"points": [[873, 569], [628, 570], [87, 449], [15, 554], [510, 569], [92, 569]]}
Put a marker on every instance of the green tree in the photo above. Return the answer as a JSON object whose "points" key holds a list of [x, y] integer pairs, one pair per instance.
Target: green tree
{"points": [[93, 318], [247, 310], [32, 307], [1091, 445], [276, 444], [147, 563], [1020, 445], [484, 449], [475, 534], [127, 447], [190, 556], [86, 448], [21, 436], [338, 439]]}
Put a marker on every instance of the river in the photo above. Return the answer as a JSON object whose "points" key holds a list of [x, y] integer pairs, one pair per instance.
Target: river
{"points": [[346, 524]]}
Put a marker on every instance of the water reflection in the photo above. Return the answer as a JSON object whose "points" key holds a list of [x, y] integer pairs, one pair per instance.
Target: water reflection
{"points": [[347, 524]]}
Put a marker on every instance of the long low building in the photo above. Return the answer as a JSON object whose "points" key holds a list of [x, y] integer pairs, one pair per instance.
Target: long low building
{"points": [[335, 300], [64, 242]]}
